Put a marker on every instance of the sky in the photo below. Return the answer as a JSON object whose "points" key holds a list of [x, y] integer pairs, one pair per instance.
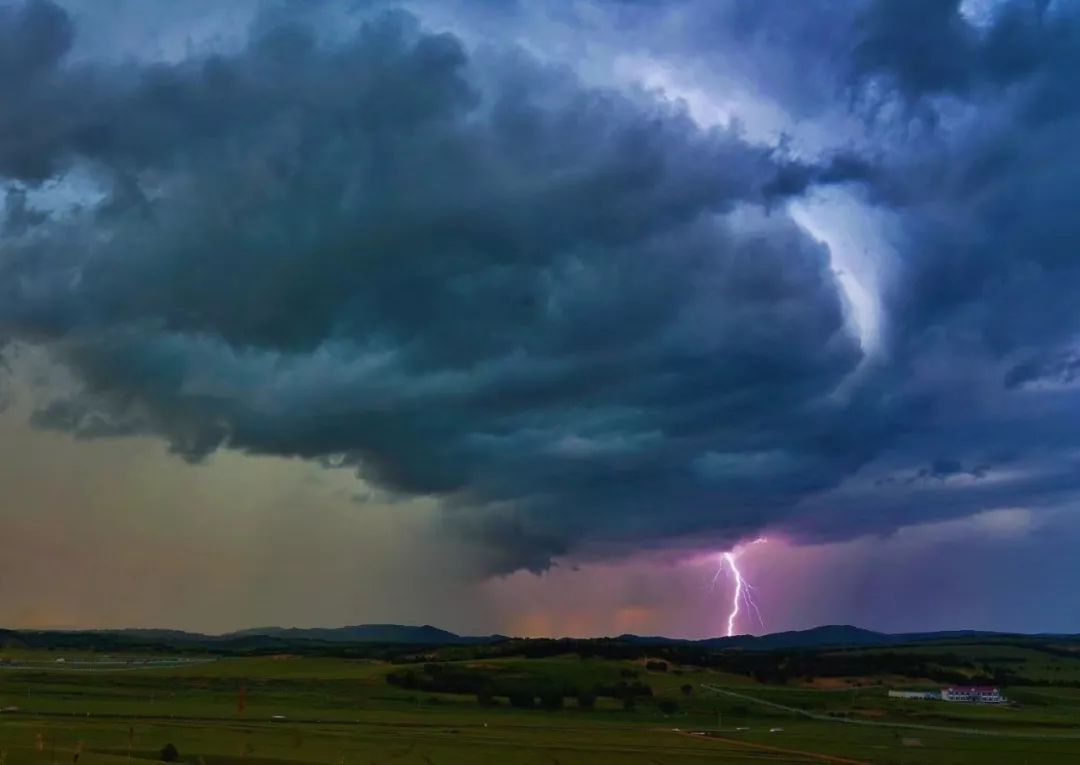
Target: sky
{"points": [[515, 316]]}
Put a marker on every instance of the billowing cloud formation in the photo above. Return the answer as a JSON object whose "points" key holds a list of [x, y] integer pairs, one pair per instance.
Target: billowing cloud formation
{"points": [[579, 317]]}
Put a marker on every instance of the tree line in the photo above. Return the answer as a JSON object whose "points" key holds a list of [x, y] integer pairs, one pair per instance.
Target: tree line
{"points": [[520, 692]]}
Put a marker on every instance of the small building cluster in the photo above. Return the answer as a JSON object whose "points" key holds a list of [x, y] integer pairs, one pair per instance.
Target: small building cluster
{"points": [[980, 694], [976, 694]]}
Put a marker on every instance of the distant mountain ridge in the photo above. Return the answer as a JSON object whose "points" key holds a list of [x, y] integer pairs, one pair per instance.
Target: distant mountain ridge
{"points": [[281, 638], [839, 635], [369, 633]]}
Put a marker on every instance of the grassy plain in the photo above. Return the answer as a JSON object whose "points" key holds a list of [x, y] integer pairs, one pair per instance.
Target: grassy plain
{"points": [[301, 711]]}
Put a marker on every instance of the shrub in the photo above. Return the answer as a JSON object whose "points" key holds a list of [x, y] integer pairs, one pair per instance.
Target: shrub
{"points": [[551, 699], [169, 753], [522, 699], [667, 706]]}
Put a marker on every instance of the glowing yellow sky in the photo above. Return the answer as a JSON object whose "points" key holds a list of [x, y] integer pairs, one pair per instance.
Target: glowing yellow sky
{"points": [[118, 532]]}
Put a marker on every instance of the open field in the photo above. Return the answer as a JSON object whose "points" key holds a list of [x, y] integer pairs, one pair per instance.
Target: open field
{"points": [[301, 710]]}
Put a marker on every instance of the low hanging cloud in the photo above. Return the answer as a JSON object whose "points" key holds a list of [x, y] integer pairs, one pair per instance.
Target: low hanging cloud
{"points": [[581, 319]]}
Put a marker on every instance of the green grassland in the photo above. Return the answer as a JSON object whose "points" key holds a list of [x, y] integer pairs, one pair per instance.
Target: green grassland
{"points": [[1036, 662], [341, 711]]}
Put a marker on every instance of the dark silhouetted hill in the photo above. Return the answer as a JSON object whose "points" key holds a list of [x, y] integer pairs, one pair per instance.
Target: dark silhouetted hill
{"points": [[368, 633]]}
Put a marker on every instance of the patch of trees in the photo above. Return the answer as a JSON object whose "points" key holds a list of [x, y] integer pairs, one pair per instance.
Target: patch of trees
{"points": [[520, 692], [444, 678], [780, 667]]}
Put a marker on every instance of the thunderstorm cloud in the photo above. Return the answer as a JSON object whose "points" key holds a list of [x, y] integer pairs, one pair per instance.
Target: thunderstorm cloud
{"points": [[571, 303]]}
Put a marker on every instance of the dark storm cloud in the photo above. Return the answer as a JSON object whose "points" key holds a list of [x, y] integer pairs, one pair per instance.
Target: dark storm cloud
{"points": [[579, 318], [1063, 368], [33, 39], [981, 312], [990, 265], [564, 309], [930, 47]]}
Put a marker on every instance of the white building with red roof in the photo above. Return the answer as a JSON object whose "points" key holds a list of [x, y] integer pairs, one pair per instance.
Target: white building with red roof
{"points": [[979, 694]]}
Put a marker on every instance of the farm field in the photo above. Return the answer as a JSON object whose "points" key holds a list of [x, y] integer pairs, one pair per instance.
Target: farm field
{"points": [[281, 710]]}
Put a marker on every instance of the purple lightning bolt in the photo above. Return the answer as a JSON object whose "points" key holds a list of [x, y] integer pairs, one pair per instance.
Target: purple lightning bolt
{"points": [[743, 593]]}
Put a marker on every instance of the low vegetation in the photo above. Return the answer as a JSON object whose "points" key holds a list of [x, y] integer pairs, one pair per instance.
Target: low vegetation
{"points": [[534, 702]]}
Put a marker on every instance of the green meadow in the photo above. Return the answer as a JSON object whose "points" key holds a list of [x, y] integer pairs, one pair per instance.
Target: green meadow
{"points": [[282, 710]]}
